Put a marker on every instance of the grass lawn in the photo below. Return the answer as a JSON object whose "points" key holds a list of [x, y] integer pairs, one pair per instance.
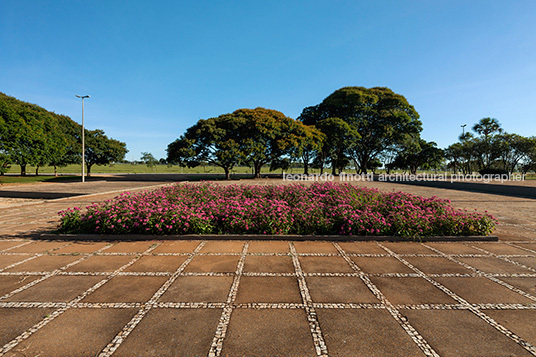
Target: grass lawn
{"points": [[33, 178]]}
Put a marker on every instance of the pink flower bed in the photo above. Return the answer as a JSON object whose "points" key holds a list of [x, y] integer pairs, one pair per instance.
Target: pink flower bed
{"points": [[318, 208]]}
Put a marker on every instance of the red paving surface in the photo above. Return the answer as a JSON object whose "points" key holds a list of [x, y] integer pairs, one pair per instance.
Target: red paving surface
{"points": [[234, 298]]}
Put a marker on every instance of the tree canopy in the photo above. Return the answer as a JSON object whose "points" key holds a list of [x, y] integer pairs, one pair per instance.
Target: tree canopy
{"points": [[380, 117]]}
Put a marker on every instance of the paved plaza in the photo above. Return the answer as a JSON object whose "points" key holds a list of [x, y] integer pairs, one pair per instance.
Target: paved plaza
{"points": [[265, 298]]}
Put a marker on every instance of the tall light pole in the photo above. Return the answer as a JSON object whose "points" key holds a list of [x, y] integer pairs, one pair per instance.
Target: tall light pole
{"points": [[83, 143], [463, 129]]}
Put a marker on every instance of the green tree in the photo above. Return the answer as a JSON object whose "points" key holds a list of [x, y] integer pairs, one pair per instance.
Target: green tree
{"points": [[419, 154], [148, 159], [381, 117], [339, 142], [214, 141], [101, 150]]}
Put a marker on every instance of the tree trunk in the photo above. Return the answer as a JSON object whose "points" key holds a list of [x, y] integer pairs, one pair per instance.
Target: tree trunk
{"points": [[305, 168], [55, 171], [37, 171], [23, 170], [227, 173], [88, 173], [257, 167]]}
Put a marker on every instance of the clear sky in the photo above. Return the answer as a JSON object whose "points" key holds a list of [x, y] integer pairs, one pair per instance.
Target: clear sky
{"points": [[153, 68]]}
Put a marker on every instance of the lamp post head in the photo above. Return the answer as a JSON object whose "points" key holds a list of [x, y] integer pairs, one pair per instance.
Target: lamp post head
{"points": [[83, 96]]}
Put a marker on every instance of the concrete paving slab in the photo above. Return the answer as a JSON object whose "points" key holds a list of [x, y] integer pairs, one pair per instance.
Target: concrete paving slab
{"points": [[315, 247], [7, 260], [333, 264], [500, 249], [157, 264], [364, 333], [166, 332], [268, 264], [130, 247], [453, 248], [268, 289], [268, 332], [38, 247], [362, 248], [436, 265], [101, 263], [127, 289], [9, 283], [176, 247], [81, 247], [57, 289], [381, 265], [77, 332], [222, 247], [407, 248], [9, 244], [213, 263], [531, 246], [520, 322], [482, 291], [461, 333], [199, 289], [44, 263], [343, 289], [493, 265], [268, 247], [526, 261], [17, 320], [527, 285], [410, 291]]}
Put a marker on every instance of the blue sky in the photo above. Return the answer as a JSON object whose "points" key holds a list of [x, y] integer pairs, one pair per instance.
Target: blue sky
{"points": [[154, 68]]}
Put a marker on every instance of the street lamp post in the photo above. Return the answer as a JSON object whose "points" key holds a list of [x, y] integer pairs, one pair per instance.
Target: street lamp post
{"points": [[463, 129], [83, 143]]}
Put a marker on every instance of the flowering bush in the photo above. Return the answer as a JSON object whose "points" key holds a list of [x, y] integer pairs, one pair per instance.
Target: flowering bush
{"points": [[319, 208]]}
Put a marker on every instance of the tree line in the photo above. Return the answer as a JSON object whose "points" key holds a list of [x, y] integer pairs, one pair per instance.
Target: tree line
{"points": [[366, 128], [33, 136]]}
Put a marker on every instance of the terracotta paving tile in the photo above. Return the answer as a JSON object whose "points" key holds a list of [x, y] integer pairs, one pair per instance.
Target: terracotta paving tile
{"points": [[268, 332], [526, 261], [57, 289], [481, 291], [130, 247], [199, 289], [408, 248], [44, 263], [461, 333], [15, 321], [528, 285], [381, 265], [341, 289], [493, 265], [172, 332], [364, 333], [268, 247], [499, 248], [520, 322], [157, 264], [268, 289], [362, 248], [38, 247], [269, 264], [176, 247], [213, 263], [101, 263], [315, 247], [7, 260], [8, 244], [333, 264], [222, 247], [77, 332], [127, 289], [453, 248], [411, 291], [8, 283], [437, 265], [81, 247]]}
